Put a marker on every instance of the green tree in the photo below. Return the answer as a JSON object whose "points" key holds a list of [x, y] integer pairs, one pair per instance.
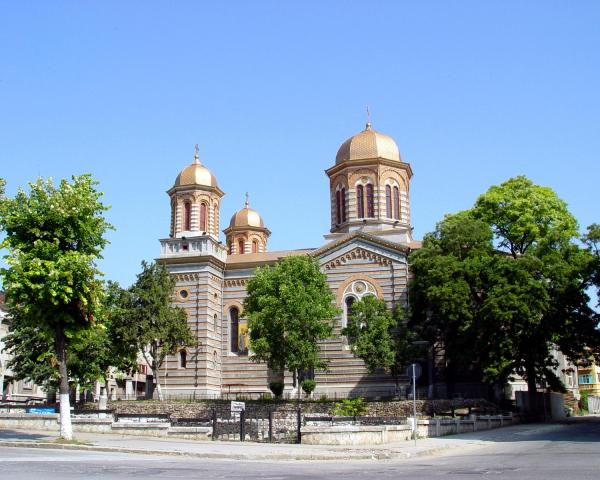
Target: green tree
{"points": [[158, 327], [380, 337], [500, 284], [290, 309], [54, 235]]}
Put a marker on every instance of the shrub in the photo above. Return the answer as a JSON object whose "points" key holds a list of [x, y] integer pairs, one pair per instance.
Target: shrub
{"points": [[276, 388], [349, 408], [583, 400], [308, 386]]}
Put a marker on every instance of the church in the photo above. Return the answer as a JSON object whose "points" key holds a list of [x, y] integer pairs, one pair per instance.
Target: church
{"points": [[365, 253]]}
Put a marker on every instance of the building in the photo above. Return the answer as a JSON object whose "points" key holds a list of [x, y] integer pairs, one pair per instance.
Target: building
{"points": [[365, 253], [588, 374]]}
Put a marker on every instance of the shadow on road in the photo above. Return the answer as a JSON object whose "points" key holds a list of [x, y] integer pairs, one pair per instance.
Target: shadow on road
{"points": [[7, 434]]}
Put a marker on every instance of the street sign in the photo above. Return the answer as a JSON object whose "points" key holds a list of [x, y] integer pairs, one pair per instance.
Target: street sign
{"points": [[237, 407], [416, 373]]}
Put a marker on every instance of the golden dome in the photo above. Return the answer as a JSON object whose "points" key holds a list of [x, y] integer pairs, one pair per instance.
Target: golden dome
{"points": [[368, 144], [196, 174], [246, 217]]}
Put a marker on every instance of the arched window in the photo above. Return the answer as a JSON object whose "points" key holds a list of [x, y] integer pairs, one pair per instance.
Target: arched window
{"points": [[348, 313], [396, 203], [254, 246], [215, 319], [240, 246], [230, 248], [370, 207], [343, 204], [388, 201], [338, 207], [360, 202], [203, 217], [187, 216], [234, 323], [182, 359]]}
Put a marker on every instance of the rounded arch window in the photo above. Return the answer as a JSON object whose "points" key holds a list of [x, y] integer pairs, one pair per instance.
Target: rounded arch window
{"points": [[234, 326], [353, 292], [254, 246], [187, 216]]}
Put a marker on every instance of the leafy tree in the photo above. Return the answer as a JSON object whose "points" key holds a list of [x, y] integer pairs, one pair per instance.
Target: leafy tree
{"points": [[54, 235], [289, 309], [503, 282], [380, 337], [158, 327]]}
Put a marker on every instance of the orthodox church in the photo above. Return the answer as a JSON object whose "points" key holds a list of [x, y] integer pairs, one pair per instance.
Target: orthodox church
{"points": [[365, 253]]}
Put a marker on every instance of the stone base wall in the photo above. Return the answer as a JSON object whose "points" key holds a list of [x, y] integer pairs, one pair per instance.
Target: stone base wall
{"points": [[261, 408]]}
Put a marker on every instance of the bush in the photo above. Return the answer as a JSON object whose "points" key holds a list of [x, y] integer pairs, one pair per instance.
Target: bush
{"points": [[583, 400], [354, 407], [276, 388], [308, 386]]}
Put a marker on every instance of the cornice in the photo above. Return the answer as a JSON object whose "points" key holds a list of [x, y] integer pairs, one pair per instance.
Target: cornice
{"points": [[367, 162]]}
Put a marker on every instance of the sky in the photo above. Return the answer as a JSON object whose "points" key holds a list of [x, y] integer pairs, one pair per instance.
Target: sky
{"points": [[473, 93]]}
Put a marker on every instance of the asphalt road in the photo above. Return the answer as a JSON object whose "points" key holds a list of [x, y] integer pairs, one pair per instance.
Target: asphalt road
{"points": [[554, 451]]}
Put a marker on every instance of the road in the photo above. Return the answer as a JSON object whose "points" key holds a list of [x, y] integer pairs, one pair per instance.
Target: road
{"points": [[548, 452]]}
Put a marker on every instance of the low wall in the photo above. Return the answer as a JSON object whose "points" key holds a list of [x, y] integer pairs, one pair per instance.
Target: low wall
{"points": [[355, 434]]}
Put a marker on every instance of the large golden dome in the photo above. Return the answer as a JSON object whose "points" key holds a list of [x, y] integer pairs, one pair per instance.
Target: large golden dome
{"points": [[368, 144], [246, 217], [196, 174]]}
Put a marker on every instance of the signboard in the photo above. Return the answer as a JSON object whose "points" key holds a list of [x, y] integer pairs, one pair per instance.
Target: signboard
{"points": [[41, 410], [237, 407], [417, 371]]}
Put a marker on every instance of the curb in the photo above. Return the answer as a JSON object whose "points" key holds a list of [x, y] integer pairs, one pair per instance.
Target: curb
{"points": [[390, 455]]}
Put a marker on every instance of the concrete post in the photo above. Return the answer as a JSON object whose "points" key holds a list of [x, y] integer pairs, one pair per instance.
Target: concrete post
{"points": [[102, 402]]}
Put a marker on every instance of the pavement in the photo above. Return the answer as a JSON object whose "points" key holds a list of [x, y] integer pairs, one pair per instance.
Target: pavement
{"points": [[264, 451]]}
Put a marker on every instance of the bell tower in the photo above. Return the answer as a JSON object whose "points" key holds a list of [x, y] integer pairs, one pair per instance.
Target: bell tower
{"points": [[369, 188]]}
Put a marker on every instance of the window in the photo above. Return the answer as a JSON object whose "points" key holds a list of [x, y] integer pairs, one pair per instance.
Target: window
{"points": [[187, 216], [343, 204], [360, 202], [396, 203], [388, 201], [338, 207], [183, 293], [348, 302], [215, 319], [240, 246], [230, 248], [254, 246], [370, 207], [234, 322], [203, 217], [182, 359], [585, 379]]}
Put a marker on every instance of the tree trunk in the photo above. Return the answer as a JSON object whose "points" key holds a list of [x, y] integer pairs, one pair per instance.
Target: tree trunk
{"points": [[155, 372], [531, 387], [66, 429]]}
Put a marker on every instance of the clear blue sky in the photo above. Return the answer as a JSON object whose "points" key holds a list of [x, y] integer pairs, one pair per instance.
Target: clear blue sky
{"points": [[473, 93]]}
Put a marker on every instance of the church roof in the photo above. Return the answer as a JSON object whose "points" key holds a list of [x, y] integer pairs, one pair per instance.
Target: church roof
{"points": [[368, 144]]}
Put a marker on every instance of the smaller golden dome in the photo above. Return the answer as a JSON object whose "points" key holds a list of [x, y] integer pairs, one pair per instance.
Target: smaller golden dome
{"points": [[246, 217], [196, 174], [368, 144]]}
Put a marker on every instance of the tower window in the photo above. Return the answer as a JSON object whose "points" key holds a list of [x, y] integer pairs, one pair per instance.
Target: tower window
{"points": [[234, 322], [343, 204], [360, 201], [182, 359], [203, 217], [254, 246], [338, 207], [187, 216], [388, 201], [396, 203], [370, 208], [240, 246]]}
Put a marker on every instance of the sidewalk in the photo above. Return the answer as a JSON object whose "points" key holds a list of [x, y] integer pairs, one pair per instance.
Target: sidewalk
{"points": [[258, 451]]}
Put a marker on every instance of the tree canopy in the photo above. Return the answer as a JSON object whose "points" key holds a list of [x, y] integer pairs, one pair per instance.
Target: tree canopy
{"points": [[289, 309], [54, 235], [380, 337], [502, 283], [148, 317]]}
